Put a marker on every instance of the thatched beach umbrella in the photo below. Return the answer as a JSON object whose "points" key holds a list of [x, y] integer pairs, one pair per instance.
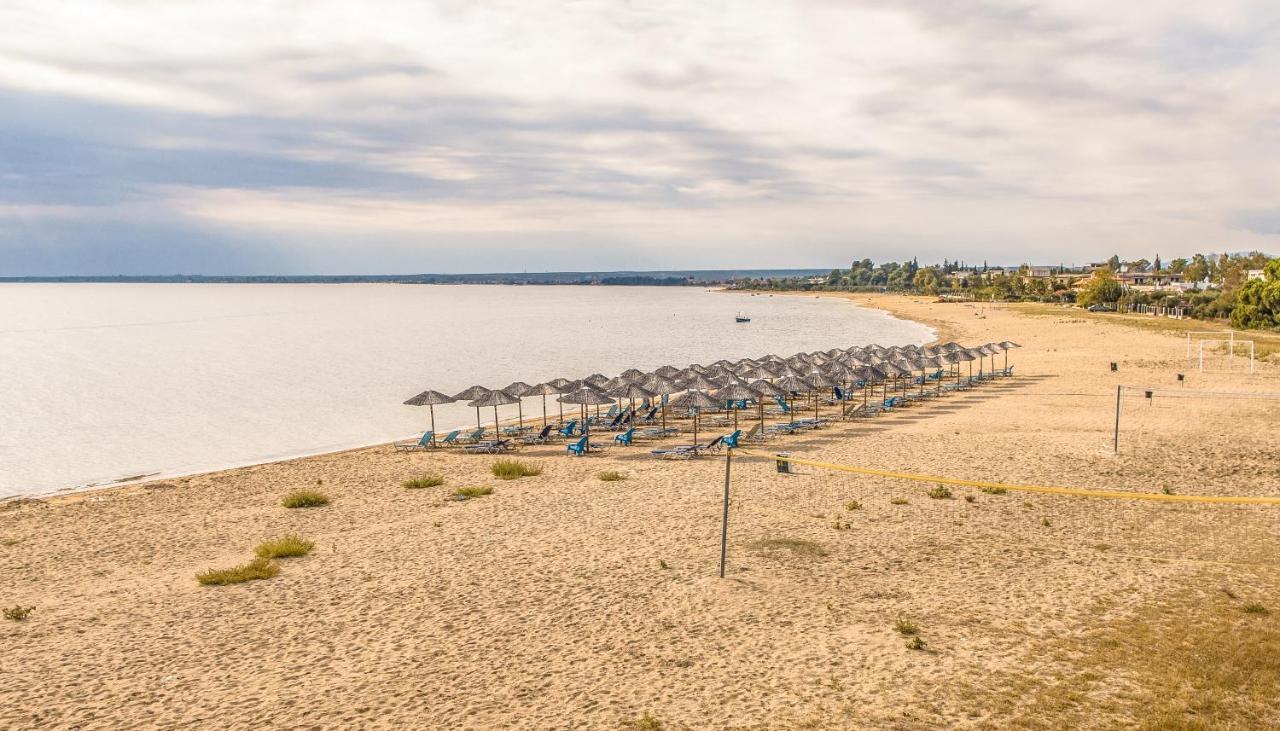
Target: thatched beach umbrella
{"points": [[471, 394], [792, 384], [632, 391], [544, 390], [429, 399], [663, 386], [667, 371], [494, 399], [695, 401], [519, 390], [584, 397], [1006, 346], [732, 394], [764, 389], [697, 382]]}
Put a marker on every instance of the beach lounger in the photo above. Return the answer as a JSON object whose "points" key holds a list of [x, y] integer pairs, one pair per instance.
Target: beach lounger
{"points": [[473, 438], [567, 430], [755, 434], [423, 443], [625, 437], [450, 439], [541, 437], [650, 417], [658, 432], [493, 447], [581, 447], [686, 451], [731, 441]]}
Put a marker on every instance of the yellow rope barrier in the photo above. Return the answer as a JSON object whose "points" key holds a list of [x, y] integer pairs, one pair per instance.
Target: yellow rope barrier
{"points": [[1049, 490]]}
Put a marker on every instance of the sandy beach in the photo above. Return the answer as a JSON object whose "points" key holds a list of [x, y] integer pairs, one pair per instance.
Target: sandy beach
{"points": [[562, 601]]}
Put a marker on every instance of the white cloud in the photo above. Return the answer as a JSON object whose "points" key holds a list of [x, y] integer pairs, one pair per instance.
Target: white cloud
{"points": [[774, 133]]}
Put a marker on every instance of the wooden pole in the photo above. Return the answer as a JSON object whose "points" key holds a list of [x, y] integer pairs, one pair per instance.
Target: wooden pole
{"points": [[724, 518], [1115, 443]]}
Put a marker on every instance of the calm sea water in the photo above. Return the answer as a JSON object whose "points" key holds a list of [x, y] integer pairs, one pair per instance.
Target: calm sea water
{"points": [[103, 381]]}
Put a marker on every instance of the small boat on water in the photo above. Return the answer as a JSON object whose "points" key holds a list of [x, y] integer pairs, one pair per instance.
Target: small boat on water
{"points": [[741, 317]]}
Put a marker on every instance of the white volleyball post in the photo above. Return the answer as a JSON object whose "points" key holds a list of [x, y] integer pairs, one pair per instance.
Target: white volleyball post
{"points": [[1231, 352]]}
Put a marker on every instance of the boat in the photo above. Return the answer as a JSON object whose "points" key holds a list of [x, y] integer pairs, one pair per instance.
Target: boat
{"points": [[741, 317]]}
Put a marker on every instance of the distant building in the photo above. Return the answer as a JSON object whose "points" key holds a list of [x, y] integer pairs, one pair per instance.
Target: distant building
{"points": [[1151, 281], [1040, 272], [1253, 274]]}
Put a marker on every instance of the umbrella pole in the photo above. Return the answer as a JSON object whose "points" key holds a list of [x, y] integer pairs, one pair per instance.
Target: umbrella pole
{"points": [[497, 428], [520, 406], [433, 422], [477, 417], [695, 427], [544, 411]]}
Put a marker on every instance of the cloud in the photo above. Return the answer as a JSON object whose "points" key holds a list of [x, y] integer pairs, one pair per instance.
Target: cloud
{"points": [[809, 133]]}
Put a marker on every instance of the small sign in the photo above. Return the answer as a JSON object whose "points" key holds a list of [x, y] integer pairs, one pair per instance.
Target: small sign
{"points": [[1115, 366], [784, 464]]}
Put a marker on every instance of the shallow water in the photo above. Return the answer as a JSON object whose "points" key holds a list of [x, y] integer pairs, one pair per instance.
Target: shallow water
{"points": [[104, 381]]}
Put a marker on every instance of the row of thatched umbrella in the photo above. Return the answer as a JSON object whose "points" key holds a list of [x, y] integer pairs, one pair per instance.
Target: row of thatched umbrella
{"points": [[726, 382]]}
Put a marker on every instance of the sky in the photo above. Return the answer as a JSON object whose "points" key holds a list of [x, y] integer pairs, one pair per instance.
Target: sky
{"points": [[150, 137]]}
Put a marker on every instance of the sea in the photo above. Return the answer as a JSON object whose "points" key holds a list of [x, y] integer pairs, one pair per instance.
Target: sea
{"points": [[102, 383]]}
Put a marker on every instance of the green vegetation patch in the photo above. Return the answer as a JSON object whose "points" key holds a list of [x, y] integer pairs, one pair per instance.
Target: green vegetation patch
{"points": [[258, 568], [18, 613], [285, 547], [466, 493], [305, 499], [514, 469], [611, 476], [418, 483]]}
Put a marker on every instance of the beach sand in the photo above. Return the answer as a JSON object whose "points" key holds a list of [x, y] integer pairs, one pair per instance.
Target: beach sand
{"points": [[561, 601]]}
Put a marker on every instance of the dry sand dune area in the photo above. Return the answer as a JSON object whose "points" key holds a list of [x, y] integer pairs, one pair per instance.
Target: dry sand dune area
{"points": [[560, 600]]}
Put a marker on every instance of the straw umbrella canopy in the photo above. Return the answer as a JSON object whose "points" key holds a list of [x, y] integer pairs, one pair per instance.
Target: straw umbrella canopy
{"points": [[666, 371], [544, 390], [765, 389], [635, 375], [519, 390], [584, 397], [631, 391], [696, 382], [661, 385], [695, 401], [733, 393], [471, 394], [792, 384], [429, 399], [817, 380], [1006, 346], [494, 399]]}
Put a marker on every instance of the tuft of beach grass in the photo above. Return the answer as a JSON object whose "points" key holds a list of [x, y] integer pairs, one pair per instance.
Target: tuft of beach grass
{"points": [[417, 483], [285, 547], [514, 469], [257, 569], [305, 499]]}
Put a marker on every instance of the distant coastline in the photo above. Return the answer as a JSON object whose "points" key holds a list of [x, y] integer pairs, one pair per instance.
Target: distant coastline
{"points": [[677, 278]]}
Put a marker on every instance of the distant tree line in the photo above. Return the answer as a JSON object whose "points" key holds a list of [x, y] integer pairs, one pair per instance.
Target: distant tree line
{"points": [[1222, 289]]}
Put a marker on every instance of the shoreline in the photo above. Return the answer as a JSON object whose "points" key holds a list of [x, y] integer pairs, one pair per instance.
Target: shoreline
{"points": [[81, 492]]}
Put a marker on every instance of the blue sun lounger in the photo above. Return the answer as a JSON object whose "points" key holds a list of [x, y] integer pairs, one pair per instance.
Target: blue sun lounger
{"points": [[423, 443]]}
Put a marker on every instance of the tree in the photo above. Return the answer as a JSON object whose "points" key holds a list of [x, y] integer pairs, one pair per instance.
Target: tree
{"points": [[1197, 270], [1102, 288], [927, 280], [1257, 303], [1114, 263], [1157, 267]]}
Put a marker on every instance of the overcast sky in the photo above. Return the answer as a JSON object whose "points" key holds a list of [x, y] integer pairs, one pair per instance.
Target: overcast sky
{"points": [[345, 137]]}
